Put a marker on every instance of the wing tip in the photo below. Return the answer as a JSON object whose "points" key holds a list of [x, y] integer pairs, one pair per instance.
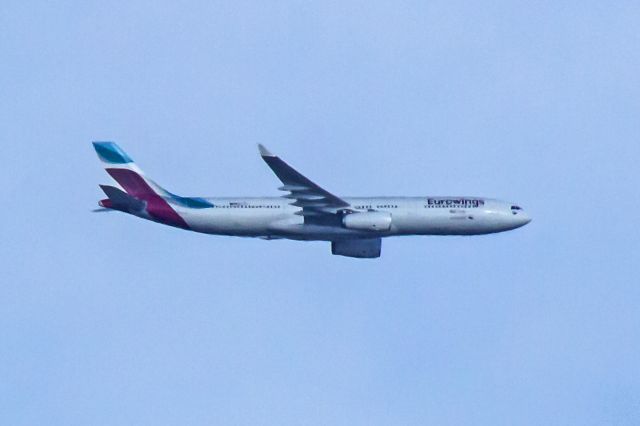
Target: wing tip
{"points": [[264, 151]]}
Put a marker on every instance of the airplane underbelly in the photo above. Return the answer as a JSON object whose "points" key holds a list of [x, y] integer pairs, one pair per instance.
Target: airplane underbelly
{"points": [[223, 223]]}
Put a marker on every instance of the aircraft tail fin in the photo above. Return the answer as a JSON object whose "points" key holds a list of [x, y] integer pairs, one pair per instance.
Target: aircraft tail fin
{"points": [[140, 193], [122, 168], [133, 180]]}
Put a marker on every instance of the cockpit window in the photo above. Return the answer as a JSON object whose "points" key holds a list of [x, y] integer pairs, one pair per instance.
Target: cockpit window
{"points": [[516, 208]]}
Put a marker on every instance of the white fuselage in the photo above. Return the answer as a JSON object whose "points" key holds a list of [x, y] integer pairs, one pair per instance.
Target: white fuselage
{"points": [[274, 217], [354, 225]]}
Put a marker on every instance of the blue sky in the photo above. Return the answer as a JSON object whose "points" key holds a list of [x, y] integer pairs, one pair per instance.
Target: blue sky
{"points": [[110, 320]]}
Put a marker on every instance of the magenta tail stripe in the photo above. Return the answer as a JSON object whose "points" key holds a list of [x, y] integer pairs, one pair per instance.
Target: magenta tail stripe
{"points": [[157, 207]]}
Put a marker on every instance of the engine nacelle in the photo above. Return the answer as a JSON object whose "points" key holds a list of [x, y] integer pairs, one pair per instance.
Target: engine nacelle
{"points": [[369, 221], [364, 249]]}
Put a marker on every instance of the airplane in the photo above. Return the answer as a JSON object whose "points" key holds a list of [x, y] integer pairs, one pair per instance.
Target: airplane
{"points": [[355, 226]]}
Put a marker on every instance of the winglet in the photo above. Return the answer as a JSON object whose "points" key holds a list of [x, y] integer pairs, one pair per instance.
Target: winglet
{"points": [[264, 151]]}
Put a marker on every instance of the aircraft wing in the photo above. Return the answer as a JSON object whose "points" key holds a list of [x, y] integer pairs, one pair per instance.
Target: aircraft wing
{"points": [[314, 200]]}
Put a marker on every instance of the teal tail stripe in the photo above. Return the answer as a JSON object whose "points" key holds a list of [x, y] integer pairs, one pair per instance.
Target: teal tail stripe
{"points": [[110, 152], [190, 202]]}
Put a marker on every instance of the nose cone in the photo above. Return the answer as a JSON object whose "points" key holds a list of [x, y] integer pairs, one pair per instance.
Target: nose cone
{"points": [[518, 216], [521, 219]]}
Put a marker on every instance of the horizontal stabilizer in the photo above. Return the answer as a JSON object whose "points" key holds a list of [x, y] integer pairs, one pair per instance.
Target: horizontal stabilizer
{"points": [[120, 200]]}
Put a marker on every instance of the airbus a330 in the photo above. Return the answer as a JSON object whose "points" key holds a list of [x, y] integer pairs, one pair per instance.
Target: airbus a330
{"points": [[355, 226]]}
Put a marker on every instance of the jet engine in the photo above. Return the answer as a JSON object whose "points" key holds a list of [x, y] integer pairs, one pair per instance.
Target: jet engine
{"points": [[368, 221]]}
